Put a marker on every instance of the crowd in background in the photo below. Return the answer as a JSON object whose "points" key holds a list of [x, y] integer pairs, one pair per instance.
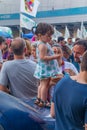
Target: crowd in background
{"points": [[39, 63], [68, 60]]}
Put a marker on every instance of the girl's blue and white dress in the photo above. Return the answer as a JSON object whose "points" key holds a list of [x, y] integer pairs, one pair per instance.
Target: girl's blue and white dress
{"points": [[46, 69]]}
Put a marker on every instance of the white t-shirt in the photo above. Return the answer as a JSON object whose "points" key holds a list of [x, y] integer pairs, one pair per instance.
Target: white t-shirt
{"points": [[68, 65]]}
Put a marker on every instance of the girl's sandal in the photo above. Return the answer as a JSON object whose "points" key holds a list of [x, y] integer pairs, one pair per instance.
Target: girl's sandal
{"points": [[44, 104], [37, 101]]}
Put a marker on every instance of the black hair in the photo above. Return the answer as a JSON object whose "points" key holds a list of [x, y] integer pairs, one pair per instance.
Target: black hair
{"points": [[60, 39], [77, 39], [81, 43], [69, 38]]}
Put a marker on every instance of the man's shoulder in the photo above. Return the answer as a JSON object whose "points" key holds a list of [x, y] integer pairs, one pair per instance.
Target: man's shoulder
{"points": [[8, 63], [32, 63], [63, 80], [16, 63], [63, 83]]}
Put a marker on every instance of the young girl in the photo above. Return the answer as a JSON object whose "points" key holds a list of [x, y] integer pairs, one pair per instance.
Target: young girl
{"points": [[47, 66]]}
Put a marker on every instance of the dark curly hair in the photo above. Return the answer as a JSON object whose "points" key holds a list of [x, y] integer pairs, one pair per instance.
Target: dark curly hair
{"points": [[43, 28]]}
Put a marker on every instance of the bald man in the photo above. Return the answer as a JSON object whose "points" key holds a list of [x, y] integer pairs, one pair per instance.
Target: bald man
{"points": [[17, 75]]}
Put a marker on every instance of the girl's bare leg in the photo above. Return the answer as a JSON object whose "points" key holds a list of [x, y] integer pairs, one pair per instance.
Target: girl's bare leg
{"points": [[39, 91], [44, 88]]}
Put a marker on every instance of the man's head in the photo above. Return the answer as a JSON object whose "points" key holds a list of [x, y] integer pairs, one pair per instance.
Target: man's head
{"points": [[84, 62], [69, 40], [78, 49], [18, 46], [61, 40]]}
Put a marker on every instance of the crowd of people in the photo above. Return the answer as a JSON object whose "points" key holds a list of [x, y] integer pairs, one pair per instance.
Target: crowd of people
{"points": [[52, 71]]}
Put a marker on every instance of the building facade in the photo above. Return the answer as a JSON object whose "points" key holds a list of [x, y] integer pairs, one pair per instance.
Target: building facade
{"points": [[56, 12], [62, 13]]}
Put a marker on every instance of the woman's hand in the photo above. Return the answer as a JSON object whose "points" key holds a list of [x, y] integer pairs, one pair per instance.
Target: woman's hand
{"points": [[71, 72], [55, 79]]}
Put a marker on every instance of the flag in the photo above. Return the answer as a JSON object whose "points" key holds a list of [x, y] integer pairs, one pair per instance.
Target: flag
{"points": [[79, 35], [56, 34], [26, 22], [29, 6], [67, 34], [83, 31]]}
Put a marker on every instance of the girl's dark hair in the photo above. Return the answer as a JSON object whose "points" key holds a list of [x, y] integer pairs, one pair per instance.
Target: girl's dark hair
{"points": [[43, 28]]}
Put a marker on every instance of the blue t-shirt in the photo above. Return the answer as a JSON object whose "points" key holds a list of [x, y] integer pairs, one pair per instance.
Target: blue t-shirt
{"points": [[76, 65], [70, 99]]}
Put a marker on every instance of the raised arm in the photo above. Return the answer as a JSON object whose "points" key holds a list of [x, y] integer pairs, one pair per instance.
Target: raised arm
{"points": [[43, 54]]}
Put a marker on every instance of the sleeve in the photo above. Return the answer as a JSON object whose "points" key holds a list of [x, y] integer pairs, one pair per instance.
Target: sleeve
{"points": [[3, 76], [74, 69]]}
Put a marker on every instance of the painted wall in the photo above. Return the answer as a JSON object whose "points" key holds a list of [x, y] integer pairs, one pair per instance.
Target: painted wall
{"points": [[61, 4], [51, 11], [9, 6], [64, 11], [9, 12]]}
